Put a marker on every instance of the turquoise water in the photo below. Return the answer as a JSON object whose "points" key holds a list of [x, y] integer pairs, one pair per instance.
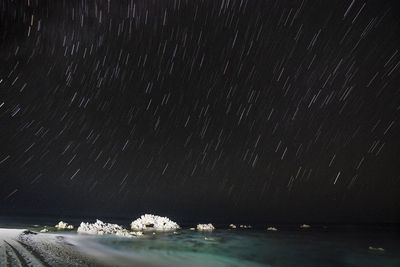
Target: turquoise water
{"points": [[282, 248], [321, 245]]}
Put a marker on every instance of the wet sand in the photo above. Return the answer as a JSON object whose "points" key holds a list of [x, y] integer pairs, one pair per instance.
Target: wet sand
{"points": [[25, 248]]}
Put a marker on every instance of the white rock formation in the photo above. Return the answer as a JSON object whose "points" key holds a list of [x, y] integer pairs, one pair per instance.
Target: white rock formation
{"points": [[232, 226], [63, 225], [101, 228], [44, 230], [272, 228], [154, 222], [208, 227], [305, 226]]}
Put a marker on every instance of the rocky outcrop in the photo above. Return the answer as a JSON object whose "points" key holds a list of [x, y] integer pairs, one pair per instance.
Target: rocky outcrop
{"points": [[101, 228], [154, 222]]}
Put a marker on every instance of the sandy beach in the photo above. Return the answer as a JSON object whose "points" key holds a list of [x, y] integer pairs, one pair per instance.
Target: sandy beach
{"points": [[26, 248]]}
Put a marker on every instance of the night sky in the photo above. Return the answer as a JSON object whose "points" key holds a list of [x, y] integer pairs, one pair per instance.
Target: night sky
{"points": [[246, 109]]}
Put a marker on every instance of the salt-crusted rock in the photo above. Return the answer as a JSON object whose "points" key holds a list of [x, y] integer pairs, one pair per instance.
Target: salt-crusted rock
{"points": [[153, 222], [63, 225], [305, 226], [101, 228], [232, 226], [44, 230], [272, 228], [208, 227]]}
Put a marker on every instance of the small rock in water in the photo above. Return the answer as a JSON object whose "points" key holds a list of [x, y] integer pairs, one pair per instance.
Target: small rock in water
{"points": [[63, 225], [244, 226], [376, 249], [124, 233], [192, 229], [272, 228], [154, 222], [44, 230], [232, 226], [305, 226], [207, 227], [138, 233]]}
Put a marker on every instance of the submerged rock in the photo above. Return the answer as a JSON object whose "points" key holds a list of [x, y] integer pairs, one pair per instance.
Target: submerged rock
{"points": [[154, 222], [63, 225], [101, 228], [208, 227], [376, 249], [272, 228]]}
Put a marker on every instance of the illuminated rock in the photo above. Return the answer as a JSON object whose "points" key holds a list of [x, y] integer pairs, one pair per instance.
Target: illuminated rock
{"points": [[154, 222], [63, 225], [205, 227], [101, 228]]}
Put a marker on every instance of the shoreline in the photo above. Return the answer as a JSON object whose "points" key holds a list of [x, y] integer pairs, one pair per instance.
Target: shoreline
{"points": [[247, 247], [21, 247]]}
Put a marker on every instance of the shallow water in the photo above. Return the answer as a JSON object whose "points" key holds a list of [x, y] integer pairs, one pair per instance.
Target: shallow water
{"points": [[321, 245]]}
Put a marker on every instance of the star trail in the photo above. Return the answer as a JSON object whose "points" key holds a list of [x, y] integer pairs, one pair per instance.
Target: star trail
{"points": [[259, 109]]}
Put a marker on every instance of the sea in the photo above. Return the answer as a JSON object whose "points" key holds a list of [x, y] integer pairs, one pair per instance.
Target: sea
{"points": [[291, 245]]}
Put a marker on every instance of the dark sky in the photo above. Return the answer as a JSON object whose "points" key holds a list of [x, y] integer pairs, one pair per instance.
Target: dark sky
{"points": [[269, 110]]}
